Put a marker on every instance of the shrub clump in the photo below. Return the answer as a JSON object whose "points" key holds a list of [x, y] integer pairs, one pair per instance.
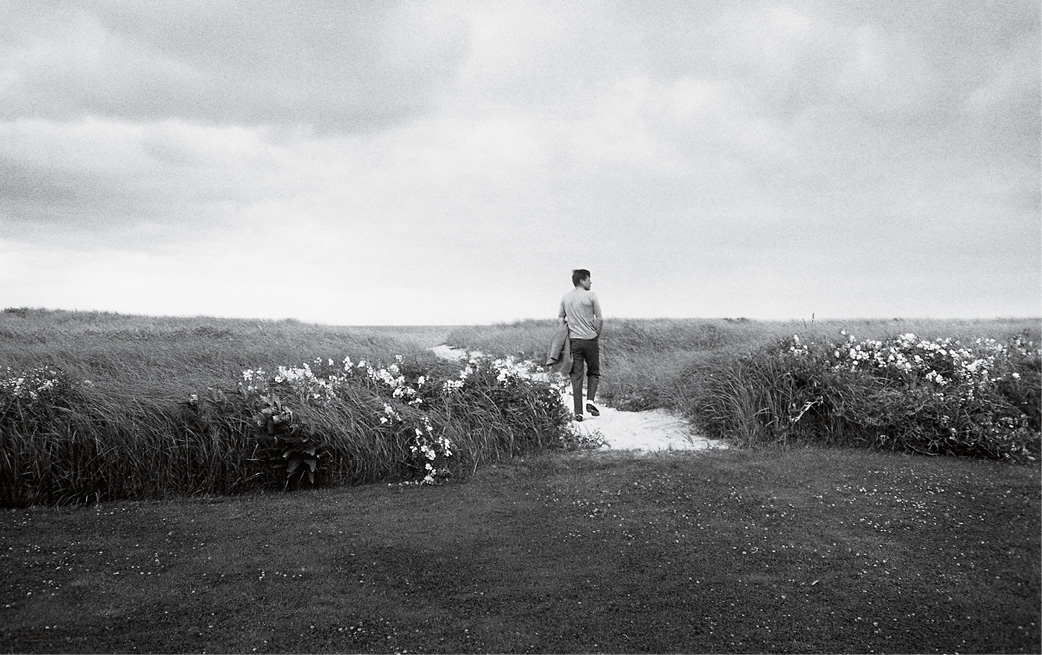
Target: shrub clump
{"points": [[324, 422], [936, 397]]}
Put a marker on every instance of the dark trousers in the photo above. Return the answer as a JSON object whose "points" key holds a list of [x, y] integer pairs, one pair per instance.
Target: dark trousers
{"points": [[586, 358]]}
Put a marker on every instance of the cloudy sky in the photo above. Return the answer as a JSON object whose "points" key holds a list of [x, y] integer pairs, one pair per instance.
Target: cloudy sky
{"points": [[451, 162]]}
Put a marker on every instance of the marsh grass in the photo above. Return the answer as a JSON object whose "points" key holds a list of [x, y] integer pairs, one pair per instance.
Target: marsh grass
{"points": [[121, 424], [152, 408], [170, 357], [732, 378], [934, 397]]}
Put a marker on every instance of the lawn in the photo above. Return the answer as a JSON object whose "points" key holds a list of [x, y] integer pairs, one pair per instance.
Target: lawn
{"points": [[798, 550]]}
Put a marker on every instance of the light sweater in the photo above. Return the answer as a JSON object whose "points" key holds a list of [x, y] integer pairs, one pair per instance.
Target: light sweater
{"points": [[581, 308]]}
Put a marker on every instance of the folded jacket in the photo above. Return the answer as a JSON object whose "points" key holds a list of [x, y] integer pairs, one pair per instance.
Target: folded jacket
{"points": [[559, 356]]}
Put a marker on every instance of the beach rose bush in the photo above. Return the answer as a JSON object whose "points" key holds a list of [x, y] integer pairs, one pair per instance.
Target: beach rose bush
{"points": [[507, 397], [325, 421], [907, 393]]}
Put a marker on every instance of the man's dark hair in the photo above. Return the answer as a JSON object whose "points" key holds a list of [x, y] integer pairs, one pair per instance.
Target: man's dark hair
{"points": [[578, 275]]}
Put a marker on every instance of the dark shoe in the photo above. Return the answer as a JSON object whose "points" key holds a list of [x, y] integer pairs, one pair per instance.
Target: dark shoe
{"points": [[579, 418], [592, 410]]}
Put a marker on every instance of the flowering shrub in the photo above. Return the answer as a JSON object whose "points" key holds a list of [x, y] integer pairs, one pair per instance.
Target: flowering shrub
{"points": [[508, 397], [322, 386], [928, 396], [430, 454], [519, 393], [41, 384], [30, 397], [940, 362], [327, 421]]}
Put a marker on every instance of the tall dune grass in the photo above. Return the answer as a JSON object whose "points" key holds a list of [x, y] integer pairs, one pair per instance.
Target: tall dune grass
{"points": [[170, 357], [735, 380], [133, 407], [99, 407], [931, 396]]}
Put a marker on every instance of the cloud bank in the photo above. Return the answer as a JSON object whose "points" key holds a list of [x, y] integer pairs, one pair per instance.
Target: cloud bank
{"points": [[452, 162]]}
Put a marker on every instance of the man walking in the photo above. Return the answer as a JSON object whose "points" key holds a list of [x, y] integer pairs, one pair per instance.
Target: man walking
{"points": [[581, 310]]}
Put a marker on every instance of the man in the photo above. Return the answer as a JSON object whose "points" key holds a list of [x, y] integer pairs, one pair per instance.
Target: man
{"points": [[581, 311]]}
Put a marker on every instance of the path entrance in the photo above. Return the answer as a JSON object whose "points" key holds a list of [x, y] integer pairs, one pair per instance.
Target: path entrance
{"points": [[651, 431]]}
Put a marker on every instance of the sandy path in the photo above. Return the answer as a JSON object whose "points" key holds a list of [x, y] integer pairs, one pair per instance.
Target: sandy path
{"points": [[652, 431]]}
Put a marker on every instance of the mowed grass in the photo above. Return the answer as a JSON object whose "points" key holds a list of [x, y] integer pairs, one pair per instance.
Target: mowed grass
{"points": [[806, 550]]}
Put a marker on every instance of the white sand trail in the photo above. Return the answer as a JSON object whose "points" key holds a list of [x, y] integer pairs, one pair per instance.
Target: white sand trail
{"points": [[654, 430]]}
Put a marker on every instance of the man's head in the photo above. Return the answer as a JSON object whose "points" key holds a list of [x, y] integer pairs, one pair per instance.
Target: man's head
{"points": [[581, 278]]}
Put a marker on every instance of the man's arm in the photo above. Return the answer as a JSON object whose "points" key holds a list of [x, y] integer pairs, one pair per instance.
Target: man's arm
{"points": [[561, 313], [598, 319]]}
